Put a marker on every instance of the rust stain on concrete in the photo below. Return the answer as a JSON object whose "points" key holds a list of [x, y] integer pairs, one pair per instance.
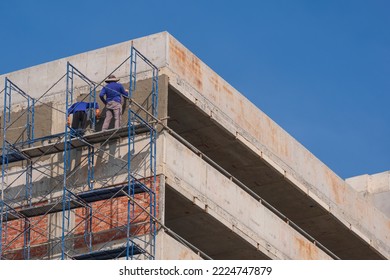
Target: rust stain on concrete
{"points": [[187, 64], [284, 150], [227, 90], [306, 250], [272, 133], [178, 56], [214, 80], [185, 255], [197, 71], [335, 186]]}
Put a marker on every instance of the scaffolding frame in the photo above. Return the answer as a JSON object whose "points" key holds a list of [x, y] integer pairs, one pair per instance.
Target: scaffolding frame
{"points": [[10, 150], [134, 54], [134, 246]]}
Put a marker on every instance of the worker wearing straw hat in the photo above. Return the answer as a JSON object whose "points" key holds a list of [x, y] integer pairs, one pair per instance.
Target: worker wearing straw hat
{"points": [[111, 96]]}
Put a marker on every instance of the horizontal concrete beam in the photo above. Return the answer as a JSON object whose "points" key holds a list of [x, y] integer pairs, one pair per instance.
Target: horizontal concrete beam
{"points": [[206, 187]]}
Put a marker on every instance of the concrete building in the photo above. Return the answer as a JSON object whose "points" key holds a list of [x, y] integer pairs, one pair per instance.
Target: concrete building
{"points": [[195, 172]]}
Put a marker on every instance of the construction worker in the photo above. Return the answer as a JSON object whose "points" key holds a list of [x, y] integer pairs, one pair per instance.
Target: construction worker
{"points": [[80, 112], [113, 92]]}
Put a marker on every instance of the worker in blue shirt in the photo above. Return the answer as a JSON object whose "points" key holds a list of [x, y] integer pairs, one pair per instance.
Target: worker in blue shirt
{"points": [[80, 110], [113, 92]]}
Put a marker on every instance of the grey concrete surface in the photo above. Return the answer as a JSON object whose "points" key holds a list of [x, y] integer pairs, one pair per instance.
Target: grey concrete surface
{"points": [[267, 181], [227, 203], [375, 187], [167, 248]]}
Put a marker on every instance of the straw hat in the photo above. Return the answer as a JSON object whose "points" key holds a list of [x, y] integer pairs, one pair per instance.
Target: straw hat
{"points": [[111, 78]]}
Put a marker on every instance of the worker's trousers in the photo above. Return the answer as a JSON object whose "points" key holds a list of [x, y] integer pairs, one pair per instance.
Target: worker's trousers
{"points": [[112, 109]]}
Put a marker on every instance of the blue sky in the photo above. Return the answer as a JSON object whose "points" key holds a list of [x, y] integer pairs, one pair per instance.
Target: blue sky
{"points": [[320, 69]]}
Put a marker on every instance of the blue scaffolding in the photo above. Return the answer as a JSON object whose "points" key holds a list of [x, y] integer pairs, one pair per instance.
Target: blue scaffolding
{"points": [[10, 153], [25, 149], [133, 117]]}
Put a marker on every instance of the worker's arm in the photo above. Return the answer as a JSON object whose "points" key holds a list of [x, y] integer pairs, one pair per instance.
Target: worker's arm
{"points": [[71, 108], [101, 95], [95, 106], [70, 111], [123, 91]]}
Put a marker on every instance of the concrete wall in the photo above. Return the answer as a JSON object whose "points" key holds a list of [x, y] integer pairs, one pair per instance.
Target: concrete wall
{"points": [[96, 65], [48, 174], [47, 82], [16, 128], [167, 248], [206, 187], [375, 188]]}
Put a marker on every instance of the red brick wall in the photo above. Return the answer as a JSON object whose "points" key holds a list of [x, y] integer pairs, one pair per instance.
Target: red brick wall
{"points": [[14, 236], [109, 220]]}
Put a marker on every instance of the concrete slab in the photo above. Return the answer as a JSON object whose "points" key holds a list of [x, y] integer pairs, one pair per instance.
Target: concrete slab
{"points": [[308, 209], [196, 182]]}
